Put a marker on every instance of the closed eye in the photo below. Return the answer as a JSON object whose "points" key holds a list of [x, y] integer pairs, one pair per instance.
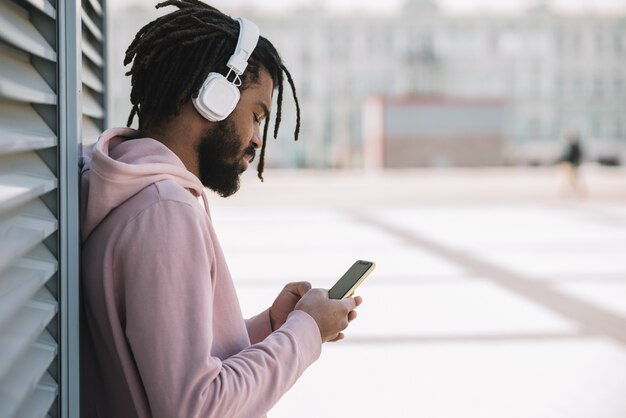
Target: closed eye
{"points": [[259, 118]]}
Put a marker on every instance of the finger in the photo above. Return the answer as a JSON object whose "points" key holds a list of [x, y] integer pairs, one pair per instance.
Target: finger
{"points": [[349, 303], [339, 337], [298, 288], [351, 316], [304, 287], [358, 300]]}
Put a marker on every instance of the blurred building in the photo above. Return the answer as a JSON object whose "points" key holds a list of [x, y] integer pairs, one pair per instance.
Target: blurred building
{"points": [[553, 73], [426, 131]]}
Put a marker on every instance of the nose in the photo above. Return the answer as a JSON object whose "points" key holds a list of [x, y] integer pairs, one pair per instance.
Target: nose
{"points": [[257, 141]]}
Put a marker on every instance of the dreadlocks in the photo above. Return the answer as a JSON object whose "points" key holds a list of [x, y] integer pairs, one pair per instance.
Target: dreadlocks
{"points": [[172, 55]]}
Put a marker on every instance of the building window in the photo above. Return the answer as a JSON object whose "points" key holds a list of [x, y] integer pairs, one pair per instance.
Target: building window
{"points": [[598, 87], [618, 87]]}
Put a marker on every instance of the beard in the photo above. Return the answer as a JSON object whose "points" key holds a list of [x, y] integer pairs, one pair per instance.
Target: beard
{"points": [[220, 156]]}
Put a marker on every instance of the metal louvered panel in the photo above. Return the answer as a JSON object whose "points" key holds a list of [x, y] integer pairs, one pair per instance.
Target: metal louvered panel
{"points": [[29, 135], [44, 113]]}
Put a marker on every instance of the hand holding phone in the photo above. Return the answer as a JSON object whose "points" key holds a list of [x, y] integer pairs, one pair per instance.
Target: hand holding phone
{"points": [[348, 283], [332, 314]]}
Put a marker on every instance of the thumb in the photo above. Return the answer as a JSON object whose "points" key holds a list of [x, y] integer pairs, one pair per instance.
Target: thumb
{"points": [[350, 303], [298, 288]]}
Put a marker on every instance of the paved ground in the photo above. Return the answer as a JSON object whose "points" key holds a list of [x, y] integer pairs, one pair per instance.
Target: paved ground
{"points": [[494, 295]]}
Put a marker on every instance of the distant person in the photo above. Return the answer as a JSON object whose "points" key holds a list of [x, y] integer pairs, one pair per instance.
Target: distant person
{"points": [[162, 330], [569, 163]]}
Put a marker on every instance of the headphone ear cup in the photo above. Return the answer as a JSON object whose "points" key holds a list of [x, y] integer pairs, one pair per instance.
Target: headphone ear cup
{"points": [[217, 98]]}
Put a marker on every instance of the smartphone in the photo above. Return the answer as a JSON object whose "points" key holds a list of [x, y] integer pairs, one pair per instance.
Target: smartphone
{"points": [[348, 283]]}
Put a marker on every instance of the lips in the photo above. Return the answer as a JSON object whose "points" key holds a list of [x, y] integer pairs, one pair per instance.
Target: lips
{"points": [[247, 159], [250, 154]]}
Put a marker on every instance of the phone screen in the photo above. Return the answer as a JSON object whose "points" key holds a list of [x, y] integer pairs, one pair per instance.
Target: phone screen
{"points": [[352, 277]]}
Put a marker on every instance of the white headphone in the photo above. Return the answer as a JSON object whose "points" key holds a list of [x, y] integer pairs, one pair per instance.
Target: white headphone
{"points": [[218, 96]]}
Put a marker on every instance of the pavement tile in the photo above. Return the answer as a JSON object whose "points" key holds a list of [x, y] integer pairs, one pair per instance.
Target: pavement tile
{"points": [[496, 304]]}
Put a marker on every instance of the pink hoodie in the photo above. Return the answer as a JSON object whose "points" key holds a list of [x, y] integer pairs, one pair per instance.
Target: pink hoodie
{"points": [[162, 331]]}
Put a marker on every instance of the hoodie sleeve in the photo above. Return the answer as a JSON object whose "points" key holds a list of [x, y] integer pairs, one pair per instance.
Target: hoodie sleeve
{"points": [[165, 263], [259, 326]]}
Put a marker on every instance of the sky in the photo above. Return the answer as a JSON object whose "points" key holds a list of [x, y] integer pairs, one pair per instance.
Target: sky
{"points": [[388, 6]]}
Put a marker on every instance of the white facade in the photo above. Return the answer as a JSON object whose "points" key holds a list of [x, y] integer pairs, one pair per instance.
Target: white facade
{"points": [[556, 73]]}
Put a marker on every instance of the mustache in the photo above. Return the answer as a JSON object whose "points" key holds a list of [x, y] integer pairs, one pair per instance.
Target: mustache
{"points": [[251, 152]]}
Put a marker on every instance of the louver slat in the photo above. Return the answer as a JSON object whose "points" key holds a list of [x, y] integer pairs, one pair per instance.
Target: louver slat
{"points": [[91, 107], [91, 26], [90, 52], [25, 377], [17, 30], [96, 7], [20, 81], [32, 322], [16, 189], [45, 7], [22, 330], [18, 284], [23, 278], [91, 79], [24, 219], [21, 129], [41, 399], [91, 132]]}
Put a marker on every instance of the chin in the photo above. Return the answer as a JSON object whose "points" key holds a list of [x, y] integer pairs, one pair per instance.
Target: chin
{"points": [[227, 191], [224, 184]]}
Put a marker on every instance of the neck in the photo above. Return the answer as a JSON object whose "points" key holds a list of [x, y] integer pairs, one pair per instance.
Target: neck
{"points": [[180, 138]]}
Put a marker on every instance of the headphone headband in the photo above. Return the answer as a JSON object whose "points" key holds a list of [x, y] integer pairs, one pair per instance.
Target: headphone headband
{"points": [[248, 38]]}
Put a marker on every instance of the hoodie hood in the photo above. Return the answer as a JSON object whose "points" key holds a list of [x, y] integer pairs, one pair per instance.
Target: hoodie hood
{"points": [[121, 164]]}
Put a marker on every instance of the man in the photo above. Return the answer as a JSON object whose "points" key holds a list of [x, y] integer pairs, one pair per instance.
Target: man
{"points": [[163, 334], [569, 163]]}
